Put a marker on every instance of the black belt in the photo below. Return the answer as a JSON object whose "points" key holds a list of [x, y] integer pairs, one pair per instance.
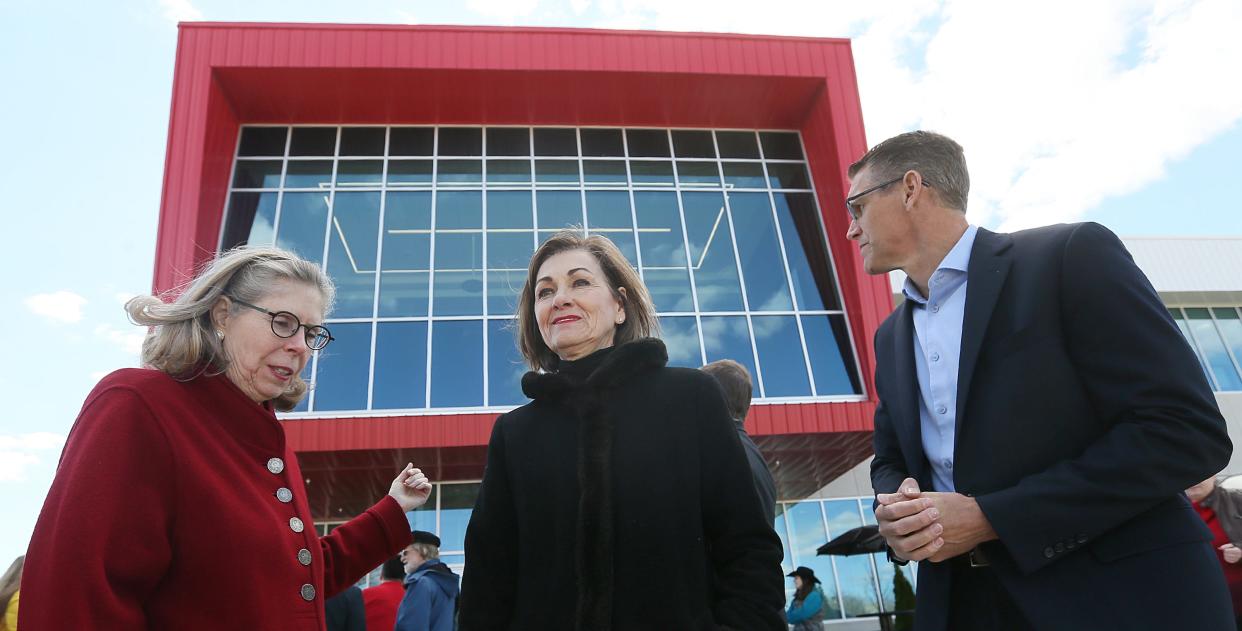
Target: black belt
{"points": [[976, 558]]}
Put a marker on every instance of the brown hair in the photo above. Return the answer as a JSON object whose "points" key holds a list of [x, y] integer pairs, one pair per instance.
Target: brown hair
{"points": [[182, 341], [735, 381], [640, 317], [939, 159]]}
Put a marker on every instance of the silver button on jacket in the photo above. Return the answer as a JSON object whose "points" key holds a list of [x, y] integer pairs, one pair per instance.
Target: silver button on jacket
{"points": [[308, 592], [275, 465], [304, 556], [296, 524], [284, 495]]}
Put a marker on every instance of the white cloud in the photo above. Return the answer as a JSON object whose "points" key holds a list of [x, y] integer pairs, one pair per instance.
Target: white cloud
{"points": [[1059, 104], [18, 452], [128, 340], [61, 306], [503, 9], [180, 11]]}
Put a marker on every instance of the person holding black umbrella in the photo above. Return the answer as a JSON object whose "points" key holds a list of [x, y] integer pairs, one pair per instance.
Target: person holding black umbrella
{"points": [[806, 612]]}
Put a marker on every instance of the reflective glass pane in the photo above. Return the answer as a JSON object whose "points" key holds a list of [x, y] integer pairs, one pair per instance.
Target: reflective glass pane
{"points": [[400, 366], [405, 272], [352, 252], [1214, 350], [693, 144], [457, 363], [424, 517], [806, 534], [788, 175], [729, 338], [308, 377], [780, 355], [781, 145], [508, 141], [459, 274], [456, 503], [362, 141], [359, 172], [556, 142], [806, 251], [855, 572], [556, 171], [602, 142], [251, 219], [262, 141], [651, 173], [508, 253], [257, 174], [459, 171], [664, 255], [608, 214], [409, 172], [737, 144], [647, 143], [557, 210], [505, 365], [827, 344], [1231, 328], [308, 174], [604, 172], [760, 251], [681, 337], [1180, 319], [303, 219], [711, 252], [344, 367], [313, 141], [411, 141], [509, 209], [698, 173], [782, 530], [744, 175], [461, 141], [508, 171]]}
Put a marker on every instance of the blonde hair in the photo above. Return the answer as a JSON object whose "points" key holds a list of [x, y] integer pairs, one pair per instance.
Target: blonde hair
{"points": [[426, 550], [640, 317], [11, 582], [182, 340]]}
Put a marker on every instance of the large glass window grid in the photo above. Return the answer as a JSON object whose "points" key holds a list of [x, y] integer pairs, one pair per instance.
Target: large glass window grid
{"points": [[734, 208], [1215, 334]]}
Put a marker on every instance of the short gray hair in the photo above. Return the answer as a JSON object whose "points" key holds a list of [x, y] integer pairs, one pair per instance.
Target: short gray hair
{"points": [[938, 158], [182, 341]]}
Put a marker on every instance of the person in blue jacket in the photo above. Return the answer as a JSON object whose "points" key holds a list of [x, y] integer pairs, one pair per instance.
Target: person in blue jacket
{"points": [[430, 601], [806, 612]]}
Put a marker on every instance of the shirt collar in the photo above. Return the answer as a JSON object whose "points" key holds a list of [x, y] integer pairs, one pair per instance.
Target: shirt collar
{"points": [[958, 259]]}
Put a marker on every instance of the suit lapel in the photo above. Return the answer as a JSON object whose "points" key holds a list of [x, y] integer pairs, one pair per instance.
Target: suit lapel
{"points": [[986, 273], [906, 413]]}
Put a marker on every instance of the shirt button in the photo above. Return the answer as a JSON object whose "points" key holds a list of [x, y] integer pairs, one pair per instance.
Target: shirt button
{"points": [[304, 556], [284, 495], [935, 308], [296, 524], [935, 357], [275, 465], [948, 463], [308, 592], [941, 410]]}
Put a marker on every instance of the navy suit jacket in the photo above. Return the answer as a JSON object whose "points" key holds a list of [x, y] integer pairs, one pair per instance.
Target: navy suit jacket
{"points": [[1082, 415]]}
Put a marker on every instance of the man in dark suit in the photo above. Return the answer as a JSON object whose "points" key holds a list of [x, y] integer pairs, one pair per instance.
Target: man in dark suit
{"points": [[1039, 415]]}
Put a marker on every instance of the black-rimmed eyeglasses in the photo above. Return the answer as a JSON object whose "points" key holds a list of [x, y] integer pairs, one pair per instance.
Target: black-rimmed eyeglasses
{"points": [[286, 325], [851, 202]]}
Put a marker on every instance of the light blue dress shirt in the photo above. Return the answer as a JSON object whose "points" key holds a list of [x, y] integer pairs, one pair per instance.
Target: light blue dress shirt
{"points": [[937, 349]]}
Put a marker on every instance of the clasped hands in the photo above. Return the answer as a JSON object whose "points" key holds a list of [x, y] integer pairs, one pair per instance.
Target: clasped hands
{"points": [[930, 526]]}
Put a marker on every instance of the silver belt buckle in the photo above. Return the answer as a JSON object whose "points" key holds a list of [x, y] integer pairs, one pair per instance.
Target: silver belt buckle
{"points": [[978, 558]]}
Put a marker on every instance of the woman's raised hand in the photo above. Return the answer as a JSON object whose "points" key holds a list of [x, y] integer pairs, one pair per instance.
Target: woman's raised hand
{"points": [[410, 488]]}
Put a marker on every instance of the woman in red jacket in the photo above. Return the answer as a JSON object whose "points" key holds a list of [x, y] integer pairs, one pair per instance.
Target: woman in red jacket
{"points": [[178, 503]]}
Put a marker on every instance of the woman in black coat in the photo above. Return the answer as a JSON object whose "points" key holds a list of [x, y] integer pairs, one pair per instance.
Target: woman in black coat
{"points": [[619, 498]]}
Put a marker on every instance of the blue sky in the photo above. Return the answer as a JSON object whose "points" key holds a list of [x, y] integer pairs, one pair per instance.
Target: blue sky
{"points": [[1122, 115]]}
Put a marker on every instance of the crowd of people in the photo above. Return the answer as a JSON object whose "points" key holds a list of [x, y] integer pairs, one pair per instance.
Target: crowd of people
{"points": [[1033, 438]]}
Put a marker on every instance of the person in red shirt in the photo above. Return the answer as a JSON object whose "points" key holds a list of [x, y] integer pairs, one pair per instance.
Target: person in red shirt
{"points": [[1219, 508], [381, 601]]}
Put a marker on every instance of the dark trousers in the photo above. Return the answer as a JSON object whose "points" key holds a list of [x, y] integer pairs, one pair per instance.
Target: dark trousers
{"points": [[978, 602]]}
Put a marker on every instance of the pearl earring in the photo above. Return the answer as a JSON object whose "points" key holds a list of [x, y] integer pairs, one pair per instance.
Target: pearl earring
{"points": [[220, 334]]}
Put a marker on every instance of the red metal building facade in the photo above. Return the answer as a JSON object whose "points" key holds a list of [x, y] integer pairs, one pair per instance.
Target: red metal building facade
{"points": [[229, 75]]}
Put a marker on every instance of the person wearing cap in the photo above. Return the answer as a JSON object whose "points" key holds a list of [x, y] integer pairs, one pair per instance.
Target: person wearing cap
{"points": [[381, 601], [806, 612], [431, 588]]}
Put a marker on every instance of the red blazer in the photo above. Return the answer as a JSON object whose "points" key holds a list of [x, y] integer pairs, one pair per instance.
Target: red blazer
{"points": [[178, 505], [381, 603]]}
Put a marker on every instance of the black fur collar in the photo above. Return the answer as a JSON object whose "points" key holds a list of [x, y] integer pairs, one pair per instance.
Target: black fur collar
{"points": [[623, 362]]}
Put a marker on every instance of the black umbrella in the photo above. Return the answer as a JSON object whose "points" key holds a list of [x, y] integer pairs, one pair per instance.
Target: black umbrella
{"points": [[861, 540]]}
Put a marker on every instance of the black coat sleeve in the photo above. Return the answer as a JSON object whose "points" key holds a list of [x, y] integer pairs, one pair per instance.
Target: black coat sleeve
{"points": [[745, 552], [1164, 431], [489, 582]]}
